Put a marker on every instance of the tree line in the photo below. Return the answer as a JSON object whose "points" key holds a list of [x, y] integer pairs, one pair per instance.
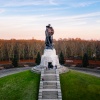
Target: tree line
{"points": [[28, 49], [76, 48]]}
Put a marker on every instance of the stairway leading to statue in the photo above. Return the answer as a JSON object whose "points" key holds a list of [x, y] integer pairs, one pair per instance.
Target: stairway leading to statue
{"points": [[49, 85]]}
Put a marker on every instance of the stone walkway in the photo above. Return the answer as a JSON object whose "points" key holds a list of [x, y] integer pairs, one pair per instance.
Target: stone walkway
{"points": [[93, 72], [6, 72], [90, 73], [49, 85]]}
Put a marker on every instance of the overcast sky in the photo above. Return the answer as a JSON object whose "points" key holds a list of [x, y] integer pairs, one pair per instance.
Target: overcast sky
{"points": [[25, 19]]}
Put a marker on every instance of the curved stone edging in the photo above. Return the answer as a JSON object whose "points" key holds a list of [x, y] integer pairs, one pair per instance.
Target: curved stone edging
{"points": [[61, 69]]}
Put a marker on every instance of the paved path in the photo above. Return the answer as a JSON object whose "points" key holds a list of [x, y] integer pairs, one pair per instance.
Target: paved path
{"points": [[93, 72], [49, 85], [6, 72]]}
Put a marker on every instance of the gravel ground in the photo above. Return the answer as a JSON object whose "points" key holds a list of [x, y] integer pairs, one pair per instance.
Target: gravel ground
{"points": [[6, 72]]}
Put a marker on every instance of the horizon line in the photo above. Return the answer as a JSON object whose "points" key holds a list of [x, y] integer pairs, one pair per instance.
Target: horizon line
{"points": [[53, 39]]}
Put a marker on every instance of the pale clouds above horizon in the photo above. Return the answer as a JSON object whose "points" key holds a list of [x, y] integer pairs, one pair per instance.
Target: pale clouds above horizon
{"points": [[69, 3], [70, 18]]}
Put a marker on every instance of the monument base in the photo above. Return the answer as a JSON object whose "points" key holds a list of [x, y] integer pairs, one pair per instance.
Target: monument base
{"points": [[49, 56]]}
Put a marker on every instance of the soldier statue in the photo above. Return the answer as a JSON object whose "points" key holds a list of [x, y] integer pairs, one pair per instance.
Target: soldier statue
{"points": [[49, 37]]}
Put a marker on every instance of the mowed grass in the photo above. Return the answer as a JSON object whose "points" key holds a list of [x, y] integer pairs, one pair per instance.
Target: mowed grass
{"points": [[79, 86], [20, 86]]}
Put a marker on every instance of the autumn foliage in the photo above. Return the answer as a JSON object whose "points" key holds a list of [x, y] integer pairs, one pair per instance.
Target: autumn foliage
{"points": [[28, 49]]}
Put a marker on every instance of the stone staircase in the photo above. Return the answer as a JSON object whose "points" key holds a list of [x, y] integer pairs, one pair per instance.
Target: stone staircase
{"points": [[49, 85]]}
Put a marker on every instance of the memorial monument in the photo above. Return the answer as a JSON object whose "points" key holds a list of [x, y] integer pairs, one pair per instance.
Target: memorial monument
{"points": [[49, 56]]}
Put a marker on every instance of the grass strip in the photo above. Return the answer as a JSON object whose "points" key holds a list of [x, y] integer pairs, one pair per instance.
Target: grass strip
{"points": [[20, 86], [79, 86]]}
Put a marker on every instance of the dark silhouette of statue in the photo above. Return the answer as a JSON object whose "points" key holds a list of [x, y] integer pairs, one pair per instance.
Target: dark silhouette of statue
{"points": [[49, 37]]}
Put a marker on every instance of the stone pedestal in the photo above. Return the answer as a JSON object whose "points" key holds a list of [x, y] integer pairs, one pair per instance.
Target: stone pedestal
{"points": [[49, 56]]}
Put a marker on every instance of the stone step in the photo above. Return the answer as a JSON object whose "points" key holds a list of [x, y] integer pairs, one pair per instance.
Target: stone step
{"points": [[50, 87], [59, 90], [48, 74], [49, 83], [50, 78], [50, 95], [55, 81], [49, 71], [49, 99]]}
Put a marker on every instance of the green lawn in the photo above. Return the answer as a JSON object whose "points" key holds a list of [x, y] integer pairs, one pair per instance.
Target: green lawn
{"points": [[25, 86], [79, 86], [20, 86]]}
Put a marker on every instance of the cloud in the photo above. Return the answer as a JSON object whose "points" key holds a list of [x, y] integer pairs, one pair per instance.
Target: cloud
{"points": [[98, 21], [46, 18], [79, 17], [81, 4], [80, 23], [15, 3], [33, 22], [2, 10], [53, 2], [40, 9], [71, 3], [78, 3]]}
